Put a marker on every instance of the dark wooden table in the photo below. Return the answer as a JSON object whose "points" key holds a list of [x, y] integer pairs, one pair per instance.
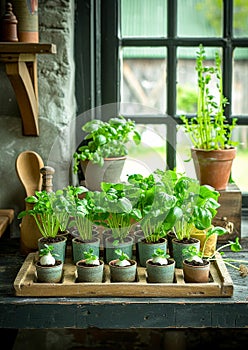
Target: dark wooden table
{"points": [[117, 313]]}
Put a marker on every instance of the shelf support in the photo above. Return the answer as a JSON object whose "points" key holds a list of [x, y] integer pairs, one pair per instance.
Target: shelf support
{"points": [[21, 68]]}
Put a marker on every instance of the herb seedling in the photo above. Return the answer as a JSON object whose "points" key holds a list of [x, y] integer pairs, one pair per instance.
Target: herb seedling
{"points": [[90, 258], [160, 257], [123, 259], [46, 255]]}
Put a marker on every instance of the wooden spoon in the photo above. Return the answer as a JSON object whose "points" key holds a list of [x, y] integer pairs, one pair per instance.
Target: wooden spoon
{"points": [[28, 165]]}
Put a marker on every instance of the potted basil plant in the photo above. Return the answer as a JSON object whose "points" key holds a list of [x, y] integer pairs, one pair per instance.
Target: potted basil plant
{"points": [[82, 212], [210, 131], [198, 205], [47, 221], [103, 156], [157, 202], [115, 211]]}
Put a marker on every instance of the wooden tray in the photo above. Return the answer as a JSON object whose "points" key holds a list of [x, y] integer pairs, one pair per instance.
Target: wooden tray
{"points": [[220, 284]]}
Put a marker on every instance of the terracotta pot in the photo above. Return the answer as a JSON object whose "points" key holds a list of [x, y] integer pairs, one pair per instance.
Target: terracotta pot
{"points": [[196, 274], [213, 167]]}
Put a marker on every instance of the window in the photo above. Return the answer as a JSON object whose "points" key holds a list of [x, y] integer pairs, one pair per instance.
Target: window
{"points": [[142, 56]]}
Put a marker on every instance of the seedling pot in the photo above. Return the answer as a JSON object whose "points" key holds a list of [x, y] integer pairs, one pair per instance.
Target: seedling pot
{"points": [[160, 273], [49, 274], [196, 274], [123, 273], [89, 273]]}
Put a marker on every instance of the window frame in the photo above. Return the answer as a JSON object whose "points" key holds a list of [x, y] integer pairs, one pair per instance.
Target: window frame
{"points": [[100, 85]]}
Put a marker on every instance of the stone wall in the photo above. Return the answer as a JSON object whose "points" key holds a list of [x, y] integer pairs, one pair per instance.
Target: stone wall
{"points": [[57, 107]]}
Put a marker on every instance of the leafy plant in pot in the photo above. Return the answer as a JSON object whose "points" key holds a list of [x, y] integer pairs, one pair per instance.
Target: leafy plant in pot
{"points": [[122, 269], [196, 266], [48, 269], [198, 205], [47, 222], [103, 157], [62, 201], [157, 219], [90, 269], [114, 210], [210, 131], [82, 212], [160, 268]]}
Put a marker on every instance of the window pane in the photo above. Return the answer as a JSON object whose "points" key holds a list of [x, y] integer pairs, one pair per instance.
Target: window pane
{"points": [[240, 82], [187, 78], [150, 155], [143, 78], [199, 18], [137, 18], [240, 24], [184, 163], [240, 163]]}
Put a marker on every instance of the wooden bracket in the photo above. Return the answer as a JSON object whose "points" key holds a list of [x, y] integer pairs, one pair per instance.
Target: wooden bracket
{"points": [[21, 68]]}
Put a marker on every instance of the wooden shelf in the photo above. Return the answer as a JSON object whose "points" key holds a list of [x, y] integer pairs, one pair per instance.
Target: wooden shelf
{"points": [[21, 68]]}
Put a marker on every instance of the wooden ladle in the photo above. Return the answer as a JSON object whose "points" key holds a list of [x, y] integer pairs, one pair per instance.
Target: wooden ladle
{"points": [[28, 165]]}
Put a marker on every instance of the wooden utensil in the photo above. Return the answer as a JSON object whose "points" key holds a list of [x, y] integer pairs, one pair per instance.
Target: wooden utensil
{"points": [[28, 165]]}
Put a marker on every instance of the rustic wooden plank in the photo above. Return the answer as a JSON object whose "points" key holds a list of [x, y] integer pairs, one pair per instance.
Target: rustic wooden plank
{"points": [[39, 48], [21, 279], [226, 281], [6, 218], [230, 201], [25, 284]]}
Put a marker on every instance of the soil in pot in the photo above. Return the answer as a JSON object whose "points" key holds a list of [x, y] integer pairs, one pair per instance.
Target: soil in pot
{"points": [[196, 272]]}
